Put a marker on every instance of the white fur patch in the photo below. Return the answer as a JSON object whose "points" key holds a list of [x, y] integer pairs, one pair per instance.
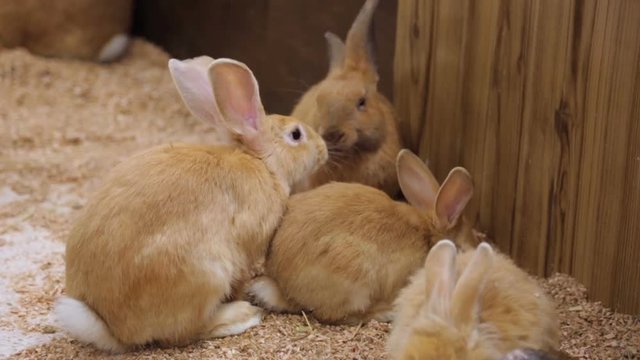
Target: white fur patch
{"points": [[82, 323], [446, 242], [114, 48], [267, 294], [486, 247], [238, 328], [385, 317]]}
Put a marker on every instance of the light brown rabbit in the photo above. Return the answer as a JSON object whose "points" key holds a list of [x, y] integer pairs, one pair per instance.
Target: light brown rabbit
{"points": [[474, 306], [95, 30], [344, 250], [356, 121], [175, 231]]}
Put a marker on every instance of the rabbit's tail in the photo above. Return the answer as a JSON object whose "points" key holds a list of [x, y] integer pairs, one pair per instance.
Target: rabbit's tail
{"points": [[82, 323], [114, 48]]}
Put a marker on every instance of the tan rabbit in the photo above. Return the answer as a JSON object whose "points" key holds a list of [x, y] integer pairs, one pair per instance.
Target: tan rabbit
{"points": [[344, 250], [356, 121], [473, 306], [95, 30], [163, 245]]}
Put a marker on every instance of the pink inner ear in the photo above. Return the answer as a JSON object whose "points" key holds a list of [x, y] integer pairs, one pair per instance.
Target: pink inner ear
{"points": [[248, 115], [454, 211], [448, 208], [237, 98], [416, 181], [252, 118], [252, 122], [452, 199]]}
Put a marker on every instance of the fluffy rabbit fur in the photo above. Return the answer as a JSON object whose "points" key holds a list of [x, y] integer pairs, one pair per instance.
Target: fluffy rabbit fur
{"points": [[95, 30], [530, 354], [175, 231], [344, 250], [356, 121], [477, 305]]}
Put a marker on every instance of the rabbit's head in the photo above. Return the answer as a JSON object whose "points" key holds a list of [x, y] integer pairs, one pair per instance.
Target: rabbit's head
{"points": [[346, 107], [448, 325], [225, 93]]}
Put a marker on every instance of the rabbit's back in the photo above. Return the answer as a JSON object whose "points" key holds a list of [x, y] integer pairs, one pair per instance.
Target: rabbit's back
{"points": [[173, 223], [515, 305], [342, 247]]}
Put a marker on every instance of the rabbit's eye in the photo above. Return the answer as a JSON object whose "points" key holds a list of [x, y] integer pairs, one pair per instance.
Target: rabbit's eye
{"points": [[295, 136], [362, 102]]}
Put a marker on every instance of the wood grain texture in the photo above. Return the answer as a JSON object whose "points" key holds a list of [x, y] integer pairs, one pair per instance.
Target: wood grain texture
{"points": [[540, 100]]}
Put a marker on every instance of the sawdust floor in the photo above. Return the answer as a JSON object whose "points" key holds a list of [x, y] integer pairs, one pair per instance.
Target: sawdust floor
{"points": [[63, 124]]}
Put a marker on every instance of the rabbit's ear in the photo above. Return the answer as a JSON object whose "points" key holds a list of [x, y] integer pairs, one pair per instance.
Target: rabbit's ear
{"points": [[237, 96], [453, 197], [465, 304], [441, 277], [417, 182], [192, 81], [336, 51], [359, 43]]}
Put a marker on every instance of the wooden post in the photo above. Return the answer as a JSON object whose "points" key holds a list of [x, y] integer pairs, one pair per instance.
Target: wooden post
{"points": [[540, 101]]}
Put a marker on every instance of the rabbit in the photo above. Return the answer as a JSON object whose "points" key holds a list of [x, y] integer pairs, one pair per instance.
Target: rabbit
{"points": [[159, 251], [94, 30], [357, 122], [474, 305], [344, 250]]}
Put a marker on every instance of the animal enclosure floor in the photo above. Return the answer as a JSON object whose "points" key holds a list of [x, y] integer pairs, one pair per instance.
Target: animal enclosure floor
{"points": [[64, 124]]}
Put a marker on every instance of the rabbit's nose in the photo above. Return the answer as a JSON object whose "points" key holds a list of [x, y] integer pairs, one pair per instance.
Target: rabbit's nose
{"points": [[333, 136]]}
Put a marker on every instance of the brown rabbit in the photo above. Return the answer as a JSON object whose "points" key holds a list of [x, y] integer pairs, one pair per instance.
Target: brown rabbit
{"points": [[356, 121], [95, 30], [344, 250], [477, 305], [163, 245]]}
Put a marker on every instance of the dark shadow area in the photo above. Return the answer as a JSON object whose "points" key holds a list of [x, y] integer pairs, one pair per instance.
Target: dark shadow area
{"points": [[280, 40]]}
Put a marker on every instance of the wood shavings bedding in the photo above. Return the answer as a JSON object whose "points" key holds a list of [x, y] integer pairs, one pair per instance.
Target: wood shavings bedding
{"points": [[64, 123]]}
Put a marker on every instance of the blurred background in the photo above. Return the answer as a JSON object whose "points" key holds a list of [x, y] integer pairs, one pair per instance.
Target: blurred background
{"points": [[282, 41]]}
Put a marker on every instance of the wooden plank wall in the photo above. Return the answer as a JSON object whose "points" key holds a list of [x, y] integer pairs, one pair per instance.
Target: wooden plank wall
{"points": [[540, 100]]}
